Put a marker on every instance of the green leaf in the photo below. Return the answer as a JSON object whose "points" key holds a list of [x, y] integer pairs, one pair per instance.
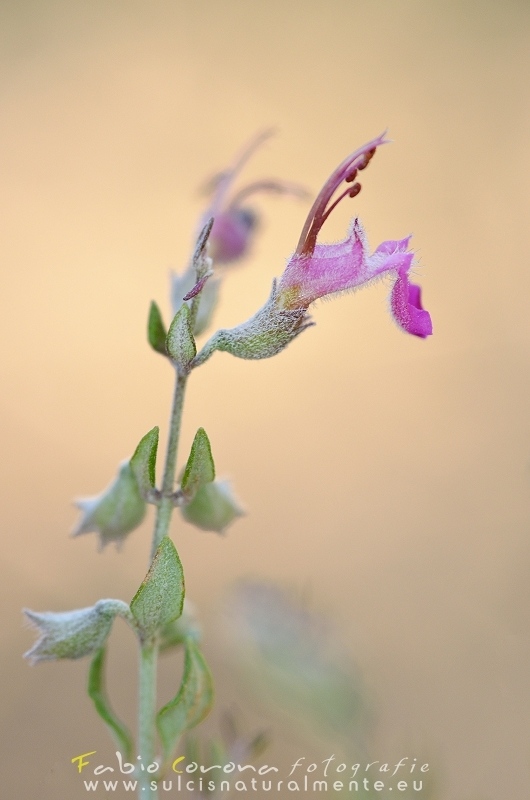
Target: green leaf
{"points": [[160, 598], [143, 462], [156, 331], [180, 343], [192, 702], [200, 468], [98, 694], [175, 633], [213, 508]]}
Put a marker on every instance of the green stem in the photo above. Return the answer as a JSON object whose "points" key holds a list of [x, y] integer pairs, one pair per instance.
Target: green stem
{"points": [[146, 717], [149, 650], [165, 507]]}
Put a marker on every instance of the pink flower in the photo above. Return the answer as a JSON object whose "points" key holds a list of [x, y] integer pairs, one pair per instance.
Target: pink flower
{"points": [[234, 221], [316, 270]]}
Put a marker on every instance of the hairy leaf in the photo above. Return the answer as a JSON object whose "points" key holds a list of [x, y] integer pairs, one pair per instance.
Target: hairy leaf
{"points": [[160, 598], [98, 694], [192, 702], [143, 462]]}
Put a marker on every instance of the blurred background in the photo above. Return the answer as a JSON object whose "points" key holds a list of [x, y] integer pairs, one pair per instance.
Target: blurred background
{"points": [[386, 479]]}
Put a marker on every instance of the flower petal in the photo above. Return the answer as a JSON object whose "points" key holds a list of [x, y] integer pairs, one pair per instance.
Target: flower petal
{"points": [[340, 266], [231, 234], [394, 246], [407, 310]]}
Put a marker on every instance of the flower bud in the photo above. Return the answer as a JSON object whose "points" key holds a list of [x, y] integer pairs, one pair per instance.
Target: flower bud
{"points": [[236, 222], [115, 512], [213, 508], [73, 634], [231, 234]]}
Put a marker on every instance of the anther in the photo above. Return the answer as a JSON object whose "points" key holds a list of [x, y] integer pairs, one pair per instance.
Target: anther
{"points": [[355, 189], [366, 158], [351, 177]]}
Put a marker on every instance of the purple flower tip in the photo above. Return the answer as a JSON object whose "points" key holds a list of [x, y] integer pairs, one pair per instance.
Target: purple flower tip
{"points": [[316, 270], [407, 310], [235, 222], [231, 233]]}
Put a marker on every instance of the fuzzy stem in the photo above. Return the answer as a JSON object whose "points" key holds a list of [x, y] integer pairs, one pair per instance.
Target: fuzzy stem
{"points": [[146, 717], [165, 508], [207, 350], [149, 649]]}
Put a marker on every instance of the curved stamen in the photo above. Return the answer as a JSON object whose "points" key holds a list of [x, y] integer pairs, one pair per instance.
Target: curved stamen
{"points": [[225, 180], [276, 186], [351, 191], [359, 159]]}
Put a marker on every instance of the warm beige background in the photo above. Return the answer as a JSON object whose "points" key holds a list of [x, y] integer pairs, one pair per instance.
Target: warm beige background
{"points": [[387, 476]]}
